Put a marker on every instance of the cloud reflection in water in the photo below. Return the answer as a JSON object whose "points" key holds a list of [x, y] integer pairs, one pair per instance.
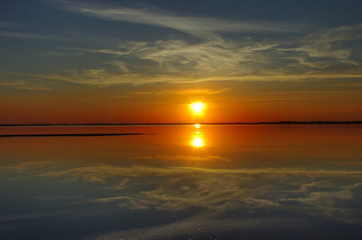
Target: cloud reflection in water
{"points": [[229, 198], [331, 192]]}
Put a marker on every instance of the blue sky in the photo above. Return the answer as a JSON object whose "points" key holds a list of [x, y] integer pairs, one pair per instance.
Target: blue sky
{"points": [[53, 45]]}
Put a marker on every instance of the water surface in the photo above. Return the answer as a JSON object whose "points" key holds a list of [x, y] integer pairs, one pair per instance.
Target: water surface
{"points": [[182, 182]]}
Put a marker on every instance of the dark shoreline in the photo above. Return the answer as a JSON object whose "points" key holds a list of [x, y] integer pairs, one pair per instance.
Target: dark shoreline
{"points": [[155, 124], [71, 135]]}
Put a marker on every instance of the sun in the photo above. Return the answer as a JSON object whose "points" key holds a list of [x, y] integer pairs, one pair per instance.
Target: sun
{"points": [[197, 107]]}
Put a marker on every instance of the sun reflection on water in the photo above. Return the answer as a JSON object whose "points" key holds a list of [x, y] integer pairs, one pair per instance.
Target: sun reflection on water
{"points": [[197, 139], [198, 142]]}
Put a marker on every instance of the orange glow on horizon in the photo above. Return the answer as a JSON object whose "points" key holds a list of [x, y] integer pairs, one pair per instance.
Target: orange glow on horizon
{"points": [[42, 107]]}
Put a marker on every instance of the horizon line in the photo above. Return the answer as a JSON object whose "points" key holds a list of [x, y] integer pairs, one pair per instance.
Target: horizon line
{"points": [[186, 123]]}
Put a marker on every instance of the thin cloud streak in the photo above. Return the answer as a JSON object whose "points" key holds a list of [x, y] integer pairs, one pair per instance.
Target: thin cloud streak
{"points": [[9, 25], [31, 36], [101, 78], [196, 26]]}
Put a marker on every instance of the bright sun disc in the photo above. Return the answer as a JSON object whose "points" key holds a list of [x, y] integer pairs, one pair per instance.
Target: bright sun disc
{"points": [[197, 107]]}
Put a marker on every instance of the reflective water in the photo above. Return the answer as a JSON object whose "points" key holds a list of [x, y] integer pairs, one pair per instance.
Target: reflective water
{"points": [[182, 182]]}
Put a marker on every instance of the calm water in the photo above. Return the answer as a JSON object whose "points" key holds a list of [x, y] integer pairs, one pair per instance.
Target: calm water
{"points": [[183, 182]]}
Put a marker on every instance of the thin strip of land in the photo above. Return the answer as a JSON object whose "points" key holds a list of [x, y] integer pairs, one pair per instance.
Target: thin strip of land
{"points": [[218, 123], [70, 135]]}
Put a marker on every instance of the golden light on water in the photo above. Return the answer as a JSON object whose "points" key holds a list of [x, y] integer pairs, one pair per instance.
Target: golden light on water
{"points": [[197, 142], [197, 139], [197, 107]]}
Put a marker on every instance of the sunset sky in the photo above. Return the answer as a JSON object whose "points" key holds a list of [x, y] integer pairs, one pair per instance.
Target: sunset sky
{"points": [[146, 61]]}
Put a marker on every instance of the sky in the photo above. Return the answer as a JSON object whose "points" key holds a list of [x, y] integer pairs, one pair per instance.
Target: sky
{"points": [[145, 61]]}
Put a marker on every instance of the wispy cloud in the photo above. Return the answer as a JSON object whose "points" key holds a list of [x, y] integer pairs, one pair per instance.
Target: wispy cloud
{"points": [[336, 34], [9, 25], [24, 84], [14, 30], [323, 54], [196, 26], [32, 36], [315, 56], [204, 91], [326, 48]]}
